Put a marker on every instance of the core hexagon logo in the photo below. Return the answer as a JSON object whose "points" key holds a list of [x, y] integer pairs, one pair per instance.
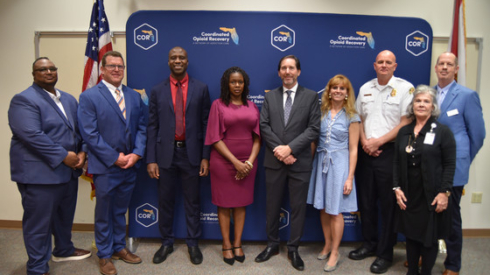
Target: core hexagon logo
{"points": [[146, 215], [283, 38], [417, 43], [283, 218], [145, 36]]}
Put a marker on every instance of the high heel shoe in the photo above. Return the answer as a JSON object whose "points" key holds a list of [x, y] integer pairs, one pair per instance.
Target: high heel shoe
{"points": [[241, 258], [322, 257], [330, 268], [229, 261]]}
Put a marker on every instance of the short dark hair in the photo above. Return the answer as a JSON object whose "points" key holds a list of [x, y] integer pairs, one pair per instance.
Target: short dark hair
{"points": [[37, 59], [225, 87], [111, 53], [298, 64]]}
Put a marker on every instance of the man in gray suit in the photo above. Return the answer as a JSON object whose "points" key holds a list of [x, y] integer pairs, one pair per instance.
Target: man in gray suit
{"points": [[289, 123]]}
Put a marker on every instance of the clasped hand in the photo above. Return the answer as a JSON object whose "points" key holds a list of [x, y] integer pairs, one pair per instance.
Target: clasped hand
{"points": [[371, 147], [126, 161], [283, 153], [74, 160], [242, 170]]}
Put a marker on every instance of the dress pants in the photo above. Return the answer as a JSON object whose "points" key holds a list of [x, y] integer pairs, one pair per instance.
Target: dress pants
{"points": [[48, 209], [189, 180], [374, 181], [454, 243], [276, 182], [113, 193]]}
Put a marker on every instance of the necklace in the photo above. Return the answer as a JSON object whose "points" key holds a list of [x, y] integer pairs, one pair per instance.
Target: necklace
{"points": [[409, 149], [330, 124]]}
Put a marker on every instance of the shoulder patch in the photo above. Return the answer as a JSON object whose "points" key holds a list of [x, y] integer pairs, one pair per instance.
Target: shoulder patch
{"points": [[411, 90]]}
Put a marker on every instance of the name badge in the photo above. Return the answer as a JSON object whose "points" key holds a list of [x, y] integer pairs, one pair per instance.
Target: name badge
{"points": [[452, 112], [429, 138]]}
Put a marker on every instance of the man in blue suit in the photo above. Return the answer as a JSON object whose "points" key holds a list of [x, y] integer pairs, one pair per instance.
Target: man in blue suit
{"points": [[178, 117], [113, 125], [461, 111], [46, 157]]}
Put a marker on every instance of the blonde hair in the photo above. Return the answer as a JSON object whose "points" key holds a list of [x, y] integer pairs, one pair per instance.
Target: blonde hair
{"points": [[349, 104]]}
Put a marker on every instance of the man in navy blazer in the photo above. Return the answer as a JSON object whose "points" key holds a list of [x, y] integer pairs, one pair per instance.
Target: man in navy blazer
{"points": [[46, 157], [461, 111], [289, 123], [176, 149], [113, 125]]}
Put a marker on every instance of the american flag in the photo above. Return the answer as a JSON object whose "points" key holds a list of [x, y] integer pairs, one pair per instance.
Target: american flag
{"points": [[457, 39], [98, 43]]}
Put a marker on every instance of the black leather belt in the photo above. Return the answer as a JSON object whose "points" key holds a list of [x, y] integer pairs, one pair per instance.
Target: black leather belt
{"points": [[179, 143]]}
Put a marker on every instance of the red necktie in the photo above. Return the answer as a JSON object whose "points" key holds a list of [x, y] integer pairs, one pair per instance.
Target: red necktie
{"points": [[179, 111]]}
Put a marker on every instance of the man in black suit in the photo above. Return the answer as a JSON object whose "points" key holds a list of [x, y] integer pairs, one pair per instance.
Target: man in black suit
{"points": [[289, 123], [178, 117]]}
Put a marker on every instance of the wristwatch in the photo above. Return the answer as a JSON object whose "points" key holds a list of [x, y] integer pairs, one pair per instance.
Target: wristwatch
{"points": [[448, 193], [396, 188]]}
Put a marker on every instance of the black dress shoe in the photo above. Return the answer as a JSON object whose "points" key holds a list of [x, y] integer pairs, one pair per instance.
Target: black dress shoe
{"points": [[268, 252], [296, 260], [360, 253], [195, 254], [162, 253], [241, 258], [229, 261], [380, 266]]}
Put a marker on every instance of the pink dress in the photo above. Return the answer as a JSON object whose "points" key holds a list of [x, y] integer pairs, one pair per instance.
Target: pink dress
{"points": [[234, 125]]}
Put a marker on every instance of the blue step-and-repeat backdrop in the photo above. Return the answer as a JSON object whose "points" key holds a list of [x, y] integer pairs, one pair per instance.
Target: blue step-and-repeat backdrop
{"points": [[326, 44]]}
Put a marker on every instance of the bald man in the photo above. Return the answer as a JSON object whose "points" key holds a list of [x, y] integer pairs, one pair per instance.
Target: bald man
{"points": [[382, 104]]}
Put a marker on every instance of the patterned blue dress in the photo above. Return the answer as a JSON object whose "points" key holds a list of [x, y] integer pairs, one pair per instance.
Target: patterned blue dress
{"points": [[331, 166]]}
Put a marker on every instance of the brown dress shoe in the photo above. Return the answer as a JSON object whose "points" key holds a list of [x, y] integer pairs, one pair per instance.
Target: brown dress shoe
{"points": [[450, 272], [126, 256], [106, 267]]}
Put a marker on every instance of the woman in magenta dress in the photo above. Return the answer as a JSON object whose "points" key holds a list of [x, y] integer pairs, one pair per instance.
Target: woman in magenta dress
{"points": [[233, 131]]}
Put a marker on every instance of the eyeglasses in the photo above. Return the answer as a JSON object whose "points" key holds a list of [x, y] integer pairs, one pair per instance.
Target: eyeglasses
{"points": [[112, 67], [43, 69]]}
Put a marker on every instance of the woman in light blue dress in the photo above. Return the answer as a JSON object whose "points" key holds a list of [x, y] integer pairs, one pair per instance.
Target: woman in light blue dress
{"points": [[332, 187]]}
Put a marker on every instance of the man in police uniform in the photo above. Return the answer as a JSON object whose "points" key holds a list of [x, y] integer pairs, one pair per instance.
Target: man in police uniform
{"points": [[382, 104]]}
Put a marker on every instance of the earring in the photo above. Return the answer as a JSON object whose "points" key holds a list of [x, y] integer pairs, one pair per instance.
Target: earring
{"points": [[329, 95], [346, 97]]}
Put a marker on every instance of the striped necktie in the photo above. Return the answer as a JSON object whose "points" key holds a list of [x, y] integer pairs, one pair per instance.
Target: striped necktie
{"points": [[120, 102]]}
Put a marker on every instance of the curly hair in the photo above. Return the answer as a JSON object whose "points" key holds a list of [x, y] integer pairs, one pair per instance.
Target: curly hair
{"points": [[225, 87], [349, 103]]}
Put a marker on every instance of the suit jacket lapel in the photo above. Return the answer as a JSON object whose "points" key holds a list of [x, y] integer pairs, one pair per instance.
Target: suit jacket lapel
{"points": [[68, 112], [451, 95], [190, 93], [128, 101], [279, 101], [104, 91], [51, 102], [297, 102], [167, 95]]}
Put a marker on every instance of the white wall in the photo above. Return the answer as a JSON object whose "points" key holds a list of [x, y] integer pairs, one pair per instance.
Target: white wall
{"points": [[20, 19]]}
